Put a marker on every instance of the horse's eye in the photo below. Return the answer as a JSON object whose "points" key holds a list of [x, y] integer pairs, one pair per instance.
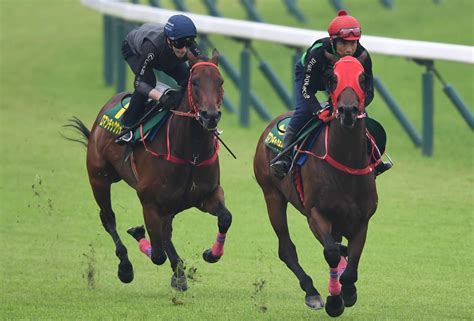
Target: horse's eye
{"points": [[220, 82], [195, 82]]}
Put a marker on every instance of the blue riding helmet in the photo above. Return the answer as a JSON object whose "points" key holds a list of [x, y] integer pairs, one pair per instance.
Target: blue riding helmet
{"points": [[179, 27]]}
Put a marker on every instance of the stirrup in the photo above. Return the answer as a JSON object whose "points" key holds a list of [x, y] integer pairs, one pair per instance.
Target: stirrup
{"points": [[124, 138], [277, 166]]}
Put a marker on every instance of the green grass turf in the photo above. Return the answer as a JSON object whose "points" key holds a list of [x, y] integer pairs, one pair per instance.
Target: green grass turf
{"points": [[58, 262]]}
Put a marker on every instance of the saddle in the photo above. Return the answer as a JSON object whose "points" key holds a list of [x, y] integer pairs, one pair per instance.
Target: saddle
{"points": [[154, 117], [309, 133]]}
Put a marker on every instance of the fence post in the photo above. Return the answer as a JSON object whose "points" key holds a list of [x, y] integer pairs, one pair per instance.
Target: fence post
{"points": [[211, 7], [244, 85], [388, 4], [119, 61], [252, 13], [427, 147], [296, 58], [460, 105], [294, 10], [392, 104], [107, 49], [180, 5], [337, 4]]}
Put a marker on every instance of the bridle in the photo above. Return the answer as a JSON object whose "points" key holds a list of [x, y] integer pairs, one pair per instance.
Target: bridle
{"points": [[348, 78], [194, 113]]}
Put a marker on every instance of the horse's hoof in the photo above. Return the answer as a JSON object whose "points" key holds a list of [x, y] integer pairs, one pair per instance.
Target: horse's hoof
{"points": [[158, 258], [137, 232], [208, 257], [125, 271], [334, 306], [179, 283], [314, 302], [349, 295]]}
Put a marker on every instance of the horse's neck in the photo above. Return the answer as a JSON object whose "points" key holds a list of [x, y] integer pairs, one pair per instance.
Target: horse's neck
{"points": [[348, 146], [189, 139]]}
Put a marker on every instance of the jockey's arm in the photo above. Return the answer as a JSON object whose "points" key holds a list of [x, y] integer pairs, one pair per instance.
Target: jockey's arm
{"points": [[308, 89], [145, 72], [369, 81]]}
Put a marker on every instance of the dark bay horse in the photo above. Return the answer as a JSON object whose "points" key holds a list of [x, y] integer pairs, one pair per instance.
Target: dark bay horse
{"points": [[337, 191], [178, 170]]}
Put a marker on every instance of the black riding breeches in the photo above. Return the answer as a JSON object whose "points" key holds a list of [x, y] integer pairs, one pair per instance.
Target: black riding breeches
{"points": [[137, 103]]}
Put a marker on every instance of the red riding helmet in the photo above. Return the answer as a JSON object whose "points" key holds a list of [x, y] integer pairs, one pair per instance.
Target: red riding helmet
{"points": [[344, 26]]}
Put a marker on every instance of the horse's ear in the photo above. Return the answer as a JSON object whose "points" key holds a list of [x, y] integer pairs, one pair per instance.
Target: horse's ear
{"points": [[332, 58], [363, 57], [363, 81], [215, 57], [331, 83], [191, 57]]}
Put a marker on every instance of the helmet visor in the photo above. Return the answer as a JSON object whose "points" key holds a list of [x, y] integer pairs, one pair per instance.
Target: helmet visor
{"points": [[347, 32]]}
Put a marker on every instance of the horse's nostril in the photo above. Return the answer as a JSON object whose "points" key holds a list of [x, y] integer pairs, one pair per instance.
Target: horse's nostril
{"points": [[204, 114]]}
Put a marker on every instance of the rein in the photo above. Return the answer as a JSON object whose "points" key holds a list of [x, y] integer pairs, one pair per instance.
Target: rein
{"points": [[334, 163], [178, 160], [193, 113]]}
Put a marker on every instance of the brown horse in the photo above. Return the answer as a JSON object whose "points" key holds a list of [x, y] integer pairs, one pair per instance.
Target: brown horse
{"points": [[337, 191], [178, 170]]}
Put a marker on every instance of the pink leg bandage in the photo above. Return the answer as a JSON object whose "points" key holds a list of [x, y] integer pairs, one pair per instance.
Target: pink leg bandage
{"points": [[334, 287], [218, 246], [145, 247]]}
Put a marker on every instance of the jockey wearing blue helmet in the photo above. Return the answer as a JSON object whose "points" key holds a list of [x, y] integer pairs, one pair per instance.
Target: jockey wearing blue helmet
{"points": [[154, 46], [180, 27]]}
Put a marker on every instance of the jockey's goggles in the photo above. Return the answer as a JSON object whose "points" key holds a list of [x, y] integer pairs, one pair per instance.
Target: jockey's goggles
{"points": [[346, 32], [181, 43]]}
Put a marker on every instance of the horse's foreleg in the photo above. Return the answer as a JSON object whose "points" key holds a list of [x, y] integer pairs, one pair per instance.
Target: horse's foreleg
{"points": [[101, 190], [276, 207], [178, 280], [154, 225], [322, 230], [349, 277], [215, 206]]}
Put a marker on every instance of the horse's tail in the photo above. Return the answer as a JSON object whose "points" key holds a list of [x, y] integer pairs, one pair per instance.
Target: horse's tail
{"points": [[79, 126]]}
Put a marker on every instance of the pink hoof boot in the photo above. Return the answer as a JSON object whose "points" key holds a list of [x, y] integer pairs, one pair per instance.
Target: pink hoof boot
{"points": [[217, 248], [145, 247], [334, 287]]}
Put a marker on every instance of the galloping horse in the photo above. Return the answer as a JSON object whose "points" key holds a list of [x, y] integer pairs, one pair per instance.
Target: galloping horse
{"points": [[185, 175], [335, 189]]}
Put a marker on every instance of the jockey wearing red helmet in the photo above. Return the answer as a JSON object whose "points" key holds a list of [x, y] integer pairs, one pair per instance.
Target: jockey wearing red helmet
{"points": [[345, 27], [311, 73]]}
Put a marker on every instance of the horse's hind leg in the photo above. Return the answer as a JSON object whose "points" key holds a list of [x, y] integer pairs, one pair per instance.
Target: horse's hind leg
{"points": [[101, 189], [349, 277], [215, 206], [276, 206]]}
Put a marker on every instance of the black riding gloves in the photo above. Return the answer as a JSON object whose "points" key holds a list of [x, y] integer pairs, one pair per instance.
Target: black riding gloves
{"points": [[170, 98]]}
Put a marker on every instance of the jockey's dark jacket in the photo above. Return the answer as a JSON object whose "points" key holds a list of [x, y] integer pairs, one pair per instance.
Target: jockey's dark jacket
{"points": [[317, 67], [148, 42]]}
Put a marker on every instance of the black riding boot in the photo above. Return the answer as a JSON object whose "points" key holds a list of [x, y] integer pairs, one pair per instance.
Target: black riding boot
{"points": [[281, 165], [130, 118], [382, 167]]}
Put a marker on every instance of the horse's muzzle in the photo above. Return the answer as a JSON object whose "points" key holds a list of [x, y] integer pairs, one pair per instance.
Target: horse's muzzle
{"points": [[210, 119], [348, 115]]}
